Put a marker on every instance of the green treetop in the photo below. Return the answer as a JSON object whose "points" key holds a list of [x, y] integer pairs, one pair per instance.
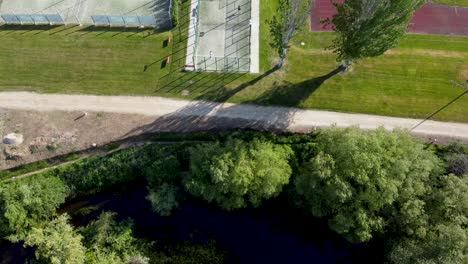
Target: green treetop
{"points": [[357, 176], [368, 28], [238, 173]]}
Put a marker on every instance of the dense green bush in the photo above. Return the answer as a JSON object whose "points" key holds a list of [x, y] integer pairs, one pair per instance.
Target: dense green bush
{"points": [[99, 174], [109, 241], [29, 203], [364, 182], [446, 239], [238, 173], [164, 198], [357, 176], [57, 242], [23, 169]]}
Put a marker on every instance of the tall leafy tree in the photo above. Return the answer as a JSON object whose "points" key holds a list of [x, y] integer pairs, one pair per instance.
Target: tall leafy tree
{"points": [[163, 199], [368, 28], [446, 240], [290, 16], [357, 177], [108, 241], [57, 242], [29, 203], [163, 176], [238, 173]]}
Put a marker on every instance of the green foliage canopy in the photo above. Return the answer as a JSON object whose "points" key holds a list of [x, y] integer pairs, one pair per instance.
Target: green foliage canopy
{"points": [[57, 242], [447, 236], [164, 199], [164, 177], [368, 28], [108, 241], [357, 176], [238, 173], [29, 203], [291, 15]]}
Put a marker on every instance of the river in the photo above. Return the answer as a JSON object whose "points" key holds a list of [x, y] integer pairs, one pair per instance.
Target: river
{"points": [[274, 233]]}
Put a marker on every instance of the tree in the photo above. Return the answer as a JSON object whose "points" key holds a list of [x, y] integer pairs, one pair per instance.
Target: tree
{"points": [[291, 15], [165, 169], [25, 204], [447, 236], [456, 158], [368, 28], [457, 164], [196, 253], [163, 177], [163, 199], [110, 242], [57, 242], [357, 177], [238, 172]]}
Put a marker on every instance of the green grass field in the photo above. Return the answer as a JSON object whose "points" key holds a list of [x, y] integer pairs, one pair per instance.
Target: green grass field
{"points": [[453, 2], [413, 80], [73, 60]]}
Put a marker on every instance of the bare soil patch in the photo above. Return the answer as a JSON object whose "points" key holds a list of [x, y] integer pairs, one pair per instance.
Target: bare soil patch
{"points": [[49, 134]]}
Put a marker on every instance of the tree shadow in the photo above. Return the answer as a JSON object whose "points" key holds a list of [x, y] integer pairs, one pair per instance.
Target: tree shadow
{"points": [[289, 94], [211, 116], [219, 116], [223, 94]]}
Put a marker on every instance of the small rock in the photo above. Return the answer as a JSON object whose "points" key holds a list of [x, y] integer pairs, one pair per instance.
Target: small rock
{"points": [[185, 92], [94, 145], [13, 139]]}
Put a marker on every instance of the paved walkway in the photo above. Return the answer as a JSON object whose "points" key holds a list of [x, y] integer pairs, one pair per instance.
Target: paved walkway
{"points": [[281, 118]]}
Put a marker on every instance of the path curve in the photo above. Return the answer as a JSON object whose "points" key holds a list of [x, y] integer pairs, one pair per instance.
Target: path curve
{"points": [[283, 118]]}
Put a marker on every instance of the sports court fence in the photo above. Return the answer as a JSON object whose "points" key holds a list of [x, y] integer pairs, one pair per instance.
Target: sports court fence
{"points": [[156, 14], [124, 21], [236, 41], [222, 64], [37, 19]]}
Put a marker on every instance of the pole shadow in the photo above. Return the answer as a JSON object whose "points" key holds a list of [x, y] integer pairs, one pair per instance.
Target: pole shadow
{"points": [[439, 110], [291, 95]]}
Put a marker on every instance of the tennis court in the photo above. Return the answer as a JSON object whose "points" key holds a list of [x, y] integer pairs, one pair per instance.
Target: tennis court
{"points": [[222, 36]]}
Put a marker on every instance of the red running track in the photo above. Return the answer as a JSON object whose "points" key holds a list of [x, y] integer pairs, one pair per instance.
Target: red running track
{"points": [[432, 18]]}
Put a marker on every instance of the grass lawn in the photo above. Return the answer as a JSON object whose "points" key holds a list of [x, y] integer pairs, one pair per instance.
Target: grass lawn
{"points": [[413, 80], [453, 2], [74, 60]]}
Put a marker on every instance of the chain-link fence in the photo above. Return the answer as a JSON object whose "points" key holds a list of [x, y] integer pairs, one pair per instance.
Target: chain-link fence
{"points": [[222, 64]]}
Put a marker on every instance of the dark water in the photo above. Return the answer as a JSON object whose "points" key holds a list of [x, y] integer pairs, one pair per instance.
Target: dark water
{"points": [[274, 233]]}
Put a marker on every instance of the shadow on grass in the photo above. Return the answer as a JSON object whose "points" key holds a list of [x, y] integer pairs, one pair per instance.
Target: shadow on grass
{"points": [[439, 110], [25, 29], [75, 30], [215, 116], [223, 94], [292, 95]]}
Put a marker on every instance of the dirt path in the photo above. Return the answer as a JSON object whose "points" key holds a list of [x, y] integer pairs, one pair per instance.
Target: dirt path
{"points": [[177, 115]]}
